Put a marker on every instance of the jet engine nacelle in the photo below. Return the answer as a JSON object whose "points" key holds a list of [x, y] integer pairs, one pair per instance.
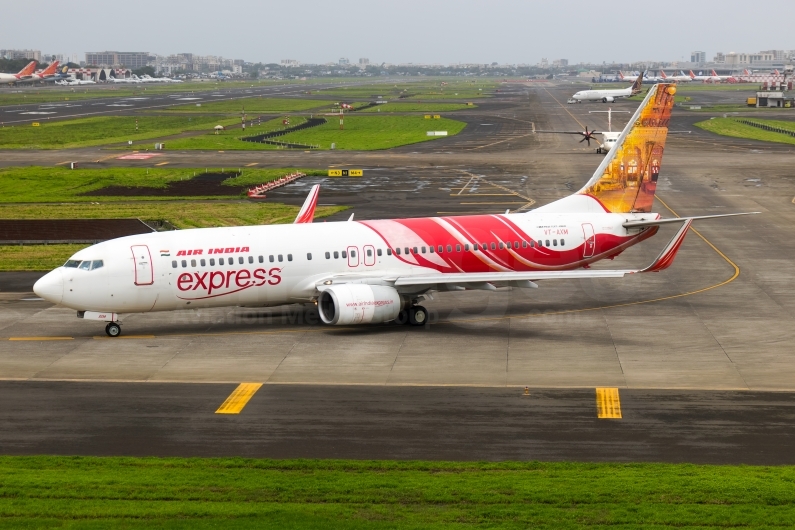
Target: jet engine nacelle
{"points": [[346, 304], [608, 99]]}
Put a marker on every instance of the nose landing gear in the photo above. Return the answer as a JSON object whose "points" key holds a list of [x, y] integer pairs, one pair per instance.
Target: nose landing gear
{"points": [[113, 329]]}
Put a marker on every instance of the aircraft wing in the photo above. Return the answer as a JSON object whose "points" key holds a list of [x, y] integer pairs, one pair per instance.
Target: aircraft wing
{"points": [[484, 280], [656, 222]]}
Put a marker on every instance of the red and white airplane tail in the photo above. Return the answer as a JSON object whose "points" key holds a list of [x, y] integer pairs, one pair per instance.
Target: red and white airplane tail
{"points": [[307, 212], [28, 70], [662, 74], [50, 70]]}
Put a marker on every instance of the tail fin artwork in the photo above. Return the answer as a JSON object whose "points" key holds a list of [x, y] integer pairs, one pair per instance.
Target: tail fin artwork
{"points": [[662, 74], [50, 70], [28, 70], [638, 84], [626, 180], [713, 73]]}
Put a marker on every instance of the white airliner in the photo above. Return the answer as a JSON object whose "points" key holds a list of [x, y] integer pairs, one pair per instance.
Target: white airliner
{"points": [[22, 75], [379, 271], [609, 95], [675, 78], [74, 82]]}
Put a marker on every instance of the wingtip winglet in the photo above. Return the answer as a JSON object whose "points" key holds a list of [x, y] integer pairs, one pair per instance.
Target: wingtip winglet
{"points": [[307, 212], [666, 257]]}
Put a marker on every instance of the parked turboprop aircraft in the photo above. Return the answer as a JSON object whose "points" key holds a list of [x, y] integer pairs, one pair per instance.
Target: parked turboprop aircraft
{"points": [[379, 271], [610, 95], [23, 74], [610, 138]]}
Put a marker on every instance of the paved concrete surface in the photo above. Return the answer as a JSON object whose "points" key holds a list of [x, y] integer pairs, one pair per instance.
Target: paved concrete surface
{"points": [[718, 322], [285, 421]]}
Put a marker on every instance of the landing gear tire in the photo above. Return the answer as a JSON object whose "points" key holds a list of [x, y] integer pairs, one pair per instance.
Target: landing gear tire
{"points": [[113, 330], [418, 315], [403, 317]]}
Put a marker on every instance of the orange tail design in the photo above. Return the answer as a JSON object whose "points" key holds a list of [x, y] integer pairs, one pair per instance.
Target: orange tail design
{"points": [[626, 180]]}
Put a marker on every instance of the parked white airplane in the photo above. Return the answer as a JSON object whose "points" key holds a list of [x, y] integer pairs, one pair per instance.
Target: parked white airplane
{"points": [[609, 95], [675, 78], [609, 137], [379, 271], [22, 75], [73, 82]]}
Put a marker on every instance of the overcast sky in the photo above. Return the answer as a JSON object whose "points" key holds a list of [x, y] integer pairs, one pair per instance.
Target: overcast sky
{"points": [[419, 31]]}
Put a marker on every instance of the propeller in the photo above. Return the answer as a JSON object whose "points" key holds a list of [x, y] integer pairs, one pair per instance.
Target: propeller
{"points": [[587, 136]]}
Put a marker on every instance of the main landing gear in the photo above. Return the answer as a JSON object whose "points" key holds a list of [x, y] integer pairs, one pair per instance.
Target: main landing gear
{"points": [[415, 315], [113, 329]]}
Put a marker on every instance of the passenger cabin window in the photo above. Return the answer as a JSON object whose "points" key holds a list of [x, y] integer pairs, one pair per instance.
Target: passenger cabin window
{"points": [[377, 252], [251, 259], [389, 252], [508, 244], [546, 243], [554, 242], [430, 249], [240, 260], [440, 249], [562, 242], [309, 256], [466, 247], [193, 263], [336, 255], [261, 259], [270, 258], [406, 250], [220, 261], [328, 255], [353, 253], [458, 248], [493, 246], [281, 257], [397, 251], [422, 249], [369, 253], [212, 262], [344, 254], [501, 246], [289, 257], [532, 244], [449, 248], [515, 244], [203, 263], [184, 264]]}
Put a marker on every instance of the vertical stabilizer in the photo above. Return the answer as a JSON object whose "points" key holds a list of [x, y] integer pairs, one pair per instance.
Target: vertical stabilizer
{"points": [[626, 179]]}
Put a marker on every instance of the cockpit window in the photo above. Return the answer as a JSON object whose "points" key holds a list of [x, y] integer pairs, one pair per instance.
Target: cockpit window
{"points": [[96, 264], [72, 263], [86, 266]]}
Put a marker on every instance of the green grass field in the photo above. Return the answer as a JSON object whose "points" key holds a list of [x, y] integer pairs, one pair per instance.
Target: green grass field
{"points": [[37, 184], [418, 107], [35, 258], [731, 127], [229, 140], [253, 106], [367, 133], [103, 130], [75, 492]]}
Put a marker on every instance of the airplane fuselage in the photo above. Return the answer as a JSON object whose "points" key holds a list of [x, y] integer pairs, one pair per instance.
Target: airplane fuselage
{"points": [[280, 264]]}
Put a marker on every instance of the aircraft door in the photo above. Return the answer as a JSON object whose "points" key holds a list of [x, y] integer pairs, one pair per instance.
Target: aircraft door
{"points": [[590, 240], [369, 255], [144, 274], [353, 257]]}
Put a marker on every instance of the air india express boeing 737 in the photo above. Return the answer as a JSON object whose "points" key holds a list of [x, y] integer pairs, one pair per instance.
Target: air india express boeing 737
{"points": [[379, 271]]}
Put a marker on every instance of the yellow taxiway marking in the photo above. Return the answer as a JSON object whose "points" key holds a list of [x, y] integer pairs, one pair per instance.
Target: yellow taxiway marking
{"points": [[41, 338], [62, 163], [252, 164], [161, 164], [608, 405], [100, 337], [238, 399]]}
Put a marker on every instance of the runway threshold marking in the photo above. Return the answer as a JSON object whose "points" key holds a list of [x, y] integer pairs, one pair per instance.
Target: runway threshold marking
{"points": [[41, 338], [608, 404], [239, 398]]}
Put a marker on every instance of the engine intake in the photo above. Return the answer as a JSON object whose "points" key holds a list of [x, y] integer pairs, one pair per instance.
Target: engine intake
{"points": [[346, 304]]}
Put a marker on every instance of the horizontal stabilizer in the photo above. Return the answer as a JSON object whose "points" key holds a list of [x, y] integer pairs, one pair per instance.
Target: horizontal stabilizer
{"points": [[657, 222]]}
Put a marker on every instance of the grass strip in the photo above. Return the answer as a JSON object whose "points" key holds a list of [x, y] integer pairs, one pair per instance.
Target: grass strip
{"points": [[102, 130], [253, 105], [35, 257], [732, 127], [418, 107], [90, 492], [38, 184]]}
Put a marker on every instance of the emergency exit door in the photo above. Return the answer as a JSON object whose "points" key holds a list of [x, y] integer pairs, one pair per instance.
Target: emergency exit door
{"points": [[590, 240], [144, 275]]}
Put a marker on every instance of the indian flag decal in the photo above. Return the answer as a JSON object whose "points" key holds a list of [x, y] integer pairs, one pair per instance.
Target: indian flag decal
{"points": [[165, 253]]}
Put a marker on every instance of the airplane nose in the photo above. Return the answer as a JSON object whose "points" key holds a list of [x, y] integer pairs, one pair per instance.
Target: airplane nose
{"points": [[50, 287]]}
